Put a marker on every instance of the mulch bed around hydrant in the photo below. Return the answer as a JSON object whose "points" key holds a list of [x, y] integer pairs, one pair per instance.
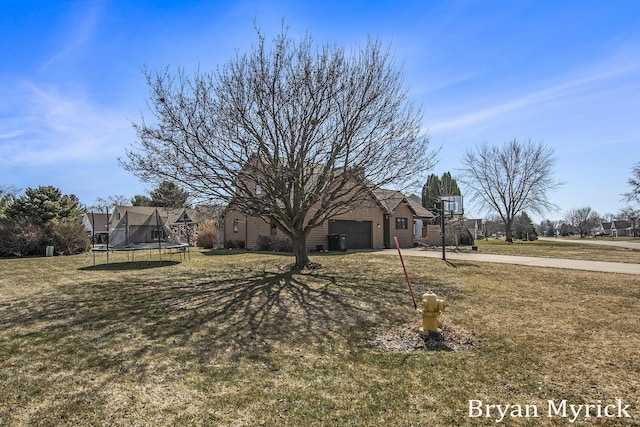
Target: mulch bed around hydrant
{"points": [[407, 338]]}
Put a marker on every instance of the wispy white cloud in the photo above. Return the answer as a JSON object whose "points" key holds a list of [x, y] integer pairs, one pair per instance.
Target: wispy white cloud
{"points": [[614, 69], [10, 134], [82, 27], [49, 128]]}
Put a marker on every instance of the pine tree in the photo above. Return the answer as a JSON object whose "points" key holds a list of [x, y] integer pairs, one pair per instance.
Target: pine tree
{"points": [[437, 187]]}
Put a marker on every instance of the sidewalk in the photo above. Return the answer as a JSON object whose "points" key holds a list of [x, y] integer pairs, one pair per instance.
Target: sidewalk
{"points": [[599, 266]]}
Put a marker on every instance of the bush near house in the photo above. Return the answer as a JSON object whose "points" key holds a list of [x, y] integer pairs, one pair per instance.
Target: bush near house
{"points": [[207, 234], [235, 244], [268, 243]]}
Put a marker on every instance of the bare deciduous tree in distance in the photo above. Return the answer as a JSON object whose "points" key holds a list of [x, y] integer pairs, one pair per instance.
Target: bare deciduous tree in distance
{"points": [[582, 219], [297, 121], [634, 182], [510, 178]]}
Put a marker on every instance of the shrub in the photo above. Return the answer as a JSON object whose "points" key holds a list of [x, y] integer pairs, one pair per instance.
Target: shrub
{"points": [[207, 234], [21, 238], [466, 238], [263, 243], [234, 244], [268, 243], [68, 236], [25, 238], [281, 245]]}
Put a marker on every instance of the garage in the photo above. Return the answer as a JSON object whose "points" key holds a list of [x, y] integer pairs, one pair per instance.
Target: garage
{"points": [[358, 233]]}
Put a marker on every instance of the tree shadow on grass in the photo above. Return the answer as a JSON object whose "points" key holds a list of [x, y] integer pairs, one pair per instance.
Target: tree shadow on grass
{"points": [[242, 311], [80, 340], [129, 265]]}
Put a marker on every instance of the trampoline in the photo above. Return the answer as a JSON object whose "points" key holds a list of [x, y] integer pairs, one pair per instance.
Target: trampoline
{"points": [[139, 232]]}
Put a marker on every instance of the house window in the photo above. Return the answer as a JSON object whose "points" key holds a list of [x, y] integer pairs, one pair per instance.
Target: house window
{"points": [[274, 229], [157, 234], [402, 223], [235, 225], [258, 189]]}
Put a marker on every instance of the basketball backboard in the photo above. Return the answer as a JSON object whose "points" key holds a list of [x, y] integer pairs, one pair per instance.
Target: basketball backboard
{"points": [[452, 205]]}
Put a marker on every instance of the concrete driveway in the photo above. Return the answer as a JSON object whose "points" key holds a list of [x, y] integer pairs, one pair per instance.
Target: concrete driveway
{"points": [[604, 267]]}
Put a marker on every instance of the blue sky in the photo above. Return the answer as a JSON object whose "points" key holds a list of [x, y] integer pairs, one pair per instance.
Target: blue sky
{"points": [[563, 72]]}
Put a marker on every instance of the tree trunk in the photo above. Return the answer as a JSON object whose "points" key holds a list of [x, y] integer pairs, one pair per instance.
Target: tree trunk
{"points": [[508, 232], [300, 251]]}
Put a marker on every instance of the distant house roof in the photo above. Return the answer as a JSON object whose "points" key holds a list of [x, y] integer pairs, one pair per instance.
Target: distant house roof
{"points": [[95, 222], [621, 225], [473, 223], [169, 216]]}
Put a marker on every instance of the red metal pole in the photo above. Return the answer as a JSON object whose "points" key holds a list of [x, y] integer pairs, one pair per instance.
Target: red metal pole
{"points": [[413, 298]]}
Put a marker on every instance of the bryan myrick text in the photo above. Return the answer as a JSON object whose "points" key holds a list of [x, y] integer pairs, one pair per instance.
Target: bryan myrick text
{"points": [[561, 409]]}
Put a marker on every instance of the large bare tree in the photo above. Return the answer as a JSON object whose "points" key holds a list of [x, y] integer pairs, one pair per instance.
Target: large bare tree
{"points": [[510, 178], [312, 128], [582, 219]]}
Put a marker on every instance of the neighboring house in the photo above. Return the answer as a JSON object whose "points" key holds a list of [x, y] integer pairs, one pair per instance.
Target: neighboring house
{"points": [[604, 229], [421, 221], [475, 227], [372, 225], [95, 225], [397, 207], [182, 222], [621, 229]]}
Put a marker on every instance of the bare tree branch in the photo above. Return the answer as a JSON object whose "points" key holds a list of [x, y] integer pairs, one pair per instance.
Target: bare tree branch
{"points": [[510, 179], [582, 219], [301, 123]]}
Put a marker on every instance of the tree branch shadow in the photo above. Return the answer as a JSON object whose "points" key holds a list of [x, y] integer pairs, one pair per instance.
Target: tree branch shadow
{"points": [[98, 333]]}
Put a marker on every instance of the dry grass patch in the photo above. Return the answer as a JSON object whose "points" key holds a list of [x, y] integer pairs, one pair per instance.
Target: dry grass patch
{"points": [[560, 249], [231, 339]]}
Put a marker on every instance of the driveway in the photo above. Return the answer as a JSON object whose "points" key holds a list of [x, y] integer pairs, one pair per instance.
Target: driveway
{"points": [[599, 266]]}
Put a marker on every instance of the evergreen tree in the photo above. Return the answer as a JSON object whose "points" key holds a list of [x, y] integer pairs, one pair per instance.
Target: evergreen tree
{"points": [[140, 200], [43, 204], [449, 186], [437, 187], [523, 228], [169, 195], [7, 196], [431, 193]]}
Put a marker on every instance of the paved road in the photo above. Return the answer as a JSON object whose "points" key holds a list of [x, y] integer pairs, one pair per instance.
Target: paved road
{"points": [[606, 267], [629, 244]]}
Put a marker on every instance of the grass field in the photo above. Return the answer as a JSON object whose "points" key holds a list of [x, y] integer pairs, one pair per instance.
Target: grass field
{"points": [[560, 249], [231, 339]]}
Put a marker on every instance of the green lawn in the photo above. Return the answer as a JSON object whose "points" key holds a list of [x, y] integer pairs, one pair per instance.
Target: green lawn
{"points": [[559, 249], [231, 339]]}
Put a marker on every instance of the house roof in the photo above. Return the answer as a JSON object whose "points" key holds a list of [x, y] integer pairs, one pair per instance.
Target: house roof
{"points": [[139, 214], [473, 223], [96, 221], [620, 225], [390, 199], [416, 206]]}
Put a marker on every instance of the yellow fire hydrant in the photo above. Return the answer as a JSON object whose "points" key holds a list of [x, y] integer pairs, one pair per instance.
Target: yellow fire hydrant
{"points": [[431, 308]]}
